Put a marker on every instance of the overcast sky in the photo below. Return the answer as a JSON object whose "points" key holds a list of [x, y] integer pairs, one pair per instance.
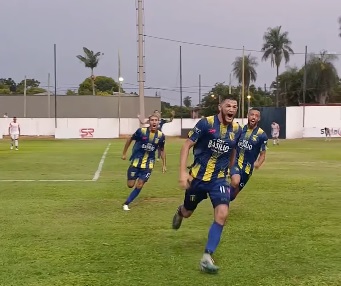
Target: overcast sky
{"points": [[29, 28]]}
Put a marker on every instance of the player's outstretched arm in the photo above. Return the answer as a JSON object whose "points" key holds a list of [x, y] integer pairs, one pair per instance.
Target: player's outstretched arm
{"points": [[146, 121], [126, 147], [260, 160], [163, 158], [183, 177]]}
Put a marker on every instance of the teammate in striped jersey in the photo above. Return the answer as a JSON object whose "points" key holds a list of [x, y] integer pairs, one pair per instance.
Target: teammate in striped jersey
{"points": [[147, 141], [251, 151], [213, 140]]}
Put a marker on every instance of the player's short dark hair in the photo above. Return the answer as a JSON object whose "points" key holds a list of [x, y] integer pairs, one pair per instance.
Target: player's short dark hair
{"points": [[225, 99], [255, 108], [154, 115]]}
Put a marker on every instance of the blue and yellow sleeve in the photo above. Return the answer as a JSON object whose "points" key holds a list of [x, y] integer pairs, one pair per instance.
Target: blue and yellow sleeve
{"points": [[198, 130], [136, 135], [264, 142]]}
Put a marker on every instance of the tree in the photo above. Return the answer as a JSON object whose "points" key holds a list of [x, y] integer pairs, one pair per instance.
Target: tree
{"points": [[291, 86], [322, 77], [32, 87], [250, 74], [70, 92], [188, 101], [276, 46], [105, 85], [9, 83], [90, 60], [210, 102]]}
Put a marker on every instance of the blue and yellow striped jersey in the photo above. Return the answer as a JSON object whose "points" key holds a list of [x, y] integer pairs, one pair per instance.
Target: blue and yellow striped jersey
{"points": [[250, 144], [214, 143], [146, 144]]}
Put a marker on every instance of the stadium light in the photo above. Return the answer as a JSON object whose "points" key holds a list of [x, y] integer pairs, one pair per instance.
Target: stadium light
{"points": [[248, 101]]}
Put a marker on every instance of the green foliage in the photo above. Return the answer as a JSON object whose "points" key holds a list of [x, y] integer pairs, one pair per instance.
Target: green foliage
{"points": [[4, 90], [103, 84], [35, 90], [210, 102], [31, 86], [9, 83], [276, 46], [187, 101], [220, 91], [250, 73], [71, 92], [322, 76], [103, 93], [90, 58]]}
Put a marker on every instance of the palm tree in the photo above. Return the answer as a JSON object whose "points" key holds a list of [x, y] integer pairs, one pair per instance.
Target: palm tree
{"points": [[276, 46], [90, 60], [322, 75], [250, 74]]}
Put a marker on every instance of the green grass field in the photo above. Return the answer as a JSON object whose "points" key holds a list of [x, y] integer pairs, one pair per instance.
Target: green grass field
{"points": [[283, 229]]}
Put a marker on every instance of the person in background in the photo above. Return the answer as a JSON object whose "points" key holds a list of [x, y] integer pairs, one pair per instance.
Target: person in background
{"points": [[275, 132], [327, 133], [14, 133]]}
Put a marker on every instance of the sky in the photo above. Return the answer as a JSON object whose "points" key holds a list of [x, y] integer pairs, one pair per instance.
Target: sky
{"points": [[31, 28]]}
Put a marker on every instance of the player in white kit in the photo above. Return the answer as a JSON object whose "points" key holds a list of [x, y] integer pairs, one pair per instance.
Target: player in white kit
{"points": [[14, 132], [275, 132]]}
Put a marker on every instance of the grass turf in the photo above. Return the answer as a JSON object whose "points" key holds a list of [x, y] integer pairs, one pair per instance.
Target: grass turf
{"points": [[283, 229]]}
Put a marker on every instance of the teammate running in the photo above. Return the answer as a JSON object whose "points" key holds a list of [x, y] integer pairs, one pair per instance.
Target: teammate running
{"points": [[14, 133], [275, 132]]}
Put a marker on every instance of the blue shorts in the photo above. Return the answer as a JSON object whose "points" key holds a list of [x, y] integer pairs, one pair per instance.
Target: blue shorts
{"points": [[134, 173], [218, 190], [243, 176]]}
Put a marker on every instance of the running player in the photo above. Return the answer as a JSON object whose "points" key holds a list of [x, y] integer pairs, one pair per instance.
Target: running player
{"points": [[161, 123], [275, 132], [213, 140], [14, 133], [327, 133], [147, 141], [251, 151]]}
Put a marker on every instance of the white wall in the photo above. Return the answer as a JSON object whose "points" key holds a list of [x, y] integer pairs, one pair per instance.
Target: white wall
{"points": [[316, 118], [90, 127], [294, 122]]}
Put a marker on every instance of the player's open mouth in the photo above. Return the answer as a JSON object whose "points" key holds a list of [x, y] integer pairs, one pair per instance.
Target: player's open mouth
{"points": [[253, 120], [229, 116]]}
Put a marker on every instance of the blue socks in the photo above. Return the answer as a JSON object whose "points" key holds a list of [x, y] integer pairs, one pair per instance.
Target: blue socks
{"points": [[133, 195], [213, 237]]}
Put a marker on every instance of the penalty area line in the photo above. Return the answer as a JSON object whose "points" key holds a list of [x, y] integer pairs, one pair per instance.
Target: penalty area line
{"points": [[101, 163]]}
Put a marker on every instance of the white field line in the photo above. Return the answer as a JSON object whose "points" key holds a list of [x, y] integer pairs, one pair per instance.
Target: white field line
{"points": [[100, 165]]}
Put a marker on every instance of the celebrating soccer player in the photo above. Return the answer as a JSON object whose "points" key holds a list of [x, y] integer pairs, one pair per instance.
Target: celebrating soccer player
{"points": [[250, 153], [147, 141], [213, 140], [14, 133], [161, 123]]}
